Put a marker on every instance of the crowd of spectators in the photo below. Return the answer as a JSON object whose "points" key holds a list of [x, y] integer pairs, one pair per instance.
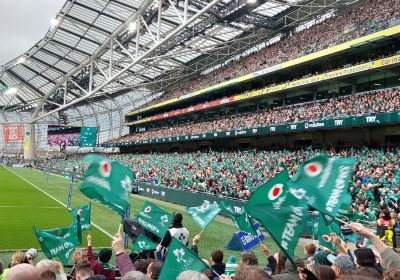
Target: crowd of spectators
{"points": [[363, 19], [375, 186], [71, 139], [236, 174], [352, 105], [317, 263]]}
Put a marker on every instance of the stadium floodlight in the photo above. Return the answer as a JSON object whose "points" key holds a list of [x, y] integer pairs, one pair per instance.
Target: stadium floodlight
{"points": [[132, 27], [21, 60], [54, 23], [12, 91]]}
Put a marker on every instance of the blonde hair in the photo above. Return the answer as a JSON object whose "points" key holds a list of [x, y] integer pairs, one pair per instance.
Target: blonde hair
{"points": [[80, 255], [17, 258], [45, 265]]}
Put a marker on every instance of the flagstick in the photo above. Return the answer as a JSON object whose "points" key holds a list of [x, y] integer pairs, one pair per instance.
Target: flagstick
{"points": [[201, 231], [329, 226], [215, 272], [342, 221]]}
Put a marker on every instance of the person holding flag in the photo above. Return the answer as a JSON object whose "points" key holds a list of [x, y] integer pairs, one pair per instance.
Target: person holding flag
{"points": [[122, 259], [102, 266], [216, 260]]}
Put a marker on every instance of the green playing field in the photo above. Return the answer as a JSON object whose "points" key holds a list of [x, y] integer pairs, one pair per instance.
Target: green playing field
{"points": [[26, 200]]}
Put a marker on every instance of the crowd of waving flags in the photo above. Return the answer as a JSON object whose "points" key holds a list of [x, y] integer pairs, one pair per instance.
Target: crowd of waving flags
{"points": [[60, 242], [106, 182], [281, 206]]}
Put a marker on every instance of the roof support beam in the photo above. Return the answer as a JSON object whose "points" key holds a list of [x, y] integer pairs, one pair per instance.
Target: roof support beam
{"points": [[52, 67], [87, 24], [166, 39], [59, 57], [25, 83], [37, 73], [100, 13]]}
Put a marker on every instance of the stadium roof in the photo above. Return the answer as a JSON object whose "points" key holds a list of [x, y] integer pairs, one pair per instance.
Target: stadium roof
{"points": [[97, 49]]}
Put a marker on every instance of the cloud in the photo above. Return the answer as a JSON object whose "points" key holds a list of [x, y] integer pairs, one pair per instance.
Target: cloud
{"points": [[23, 23]]}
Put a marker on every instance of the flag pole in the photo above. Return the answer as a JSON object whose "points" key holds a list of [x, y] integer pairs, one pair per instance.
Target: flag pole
{"points": [[119, 228], [201, 231], [342, 221], [215, 272]]}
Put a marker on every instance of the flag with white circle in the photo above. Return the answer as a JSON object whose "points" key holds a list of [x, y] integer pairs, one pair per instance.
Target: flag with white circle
{"points": [[107, 182], [154, 219], [323, 181]]}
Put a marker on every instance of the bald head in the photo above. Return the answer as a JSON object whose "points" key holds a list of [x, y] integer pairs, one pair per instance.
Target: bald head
{"points": [[23, 272]]}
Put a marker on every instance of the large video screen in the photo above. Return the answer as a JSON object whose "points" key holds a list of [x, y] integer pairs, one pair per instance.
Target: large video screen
{"points": [[63, 135]]}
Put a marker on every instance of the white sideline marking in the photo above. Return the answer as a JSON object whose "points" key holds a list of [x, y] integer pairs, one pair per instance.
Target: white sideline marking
{"points": [[65, 206]]}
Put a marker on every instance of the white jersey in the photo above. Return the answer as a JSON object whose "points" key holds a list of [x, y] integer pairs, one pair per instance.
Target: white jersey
{"points": [[182, 234]]}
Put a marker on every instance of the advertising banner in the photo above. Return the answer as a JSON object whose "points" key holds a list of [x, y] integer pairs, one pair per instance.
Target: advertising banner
{"points": [[13, 132]]}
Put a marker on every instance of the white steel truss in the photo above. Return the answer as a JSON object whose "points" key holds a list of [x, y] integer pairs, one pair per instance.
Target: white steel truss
{"points": [[110, 45]]}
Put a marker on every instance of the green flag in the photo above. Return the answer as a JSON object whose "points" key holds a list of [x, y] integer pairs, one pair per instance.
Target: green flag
{"points": [[69, 233], [107, 182], [154, 219], [180, 258], [269, 192], [284, 220], [241, 219], [326, 226], [314, 227], [57, 242], [142, 244], [72, 233], [204, 214], [323, 181], [84, 213]]}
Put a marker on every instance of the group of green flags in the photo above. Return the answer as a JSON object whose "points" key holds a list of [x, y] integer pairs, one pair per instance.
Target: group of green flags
{"points": [[60, 242], [105, 181], [281, 205]]}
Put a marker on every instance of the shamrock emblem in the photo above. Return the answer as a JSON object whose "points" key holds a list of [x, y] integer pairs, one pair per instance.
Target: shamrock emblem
{"points": [[164, 219], [126, 184], [179, 253], [141, 244]]}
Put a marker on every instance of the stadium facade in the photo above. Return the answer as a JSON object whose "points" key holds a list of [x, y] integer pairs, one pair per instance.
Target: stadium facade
{"points": [[100, 65]]}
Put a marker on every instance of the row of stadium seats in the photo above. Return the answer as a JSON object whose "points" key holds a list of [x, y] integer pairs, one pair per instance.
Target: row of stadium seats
{"points": [[384, 52], [352, 105], [364, 19]]}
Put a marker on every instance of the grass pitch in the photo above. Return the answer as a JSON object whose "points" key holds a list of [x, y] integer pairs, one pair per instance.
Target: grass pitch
{"points": [[26, 200]]}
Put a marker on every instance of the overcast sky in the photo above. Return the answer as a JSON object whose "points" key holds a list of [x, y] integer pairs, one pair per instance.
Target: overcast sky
{"points": [[23, 23]]}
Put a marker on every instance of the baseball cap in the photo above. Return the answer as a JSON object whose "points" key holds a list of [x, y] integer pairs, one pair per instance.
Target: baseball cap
{"points": [[31, 253]]}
